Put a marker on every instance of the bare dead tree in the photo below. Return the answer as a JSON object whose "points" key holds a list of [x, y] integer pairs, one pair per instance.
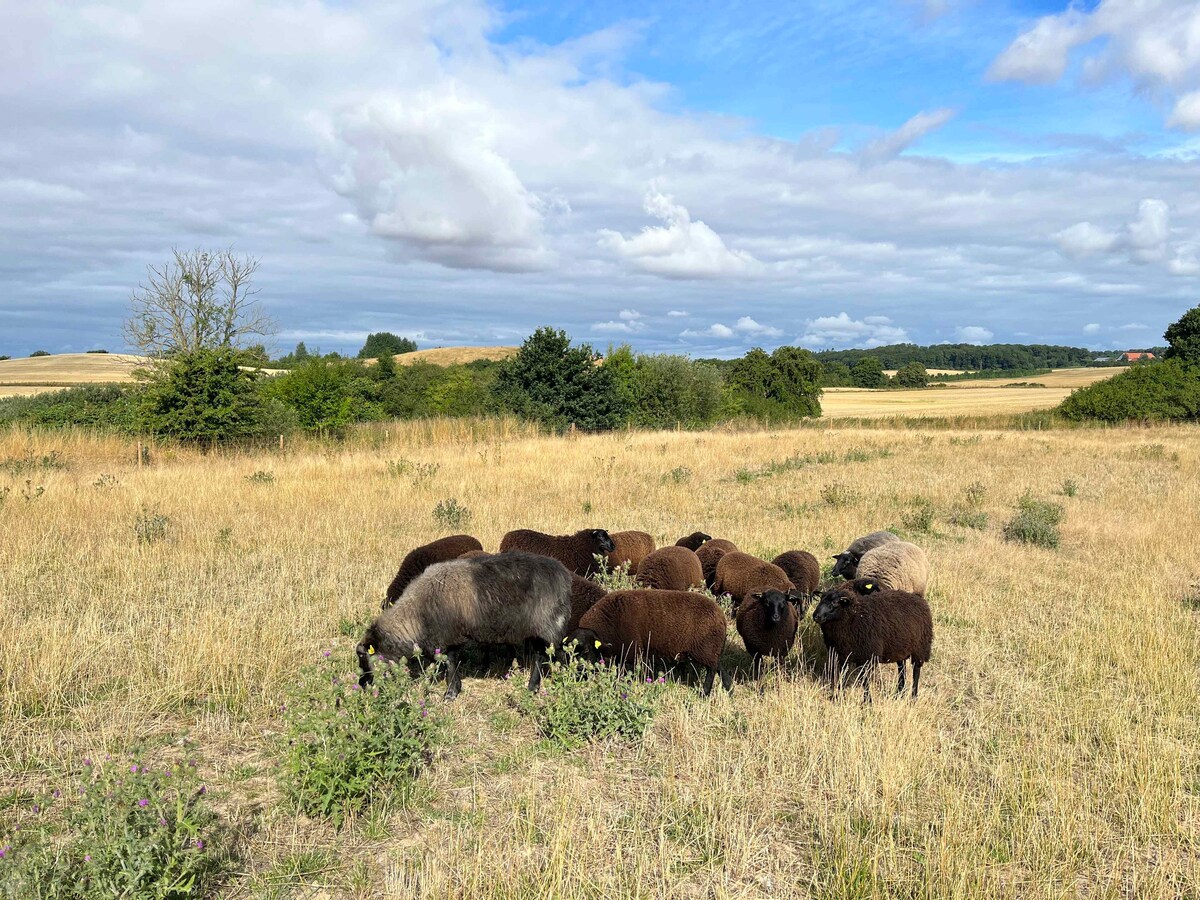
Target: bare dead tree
{"points": [[201, 299]]}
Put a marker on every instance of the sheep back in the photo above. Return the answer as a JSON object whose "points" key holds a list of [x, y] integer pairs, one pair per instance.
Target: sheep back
{"points": [[585, 594], [801, 568], [710, 554], [898, 565], [671, 569], [421, 558], [846, 565], [632, 548], [575, 551], [738, 574], [669, 625], [694, 541]]}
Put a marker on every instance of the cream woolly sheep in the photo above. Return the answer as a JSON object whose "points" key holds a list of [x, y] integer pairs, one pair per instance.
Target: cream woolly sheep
{"points": [[898, 565], [847, 561]]}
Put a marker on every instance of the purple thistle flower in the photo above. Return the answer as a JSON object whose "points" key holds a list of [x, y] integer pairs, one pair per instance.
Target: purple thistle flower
{"points": [[162, 823], [203, 790], [326, 654], [662, 679], [36, 808], [167, 774], [199, 844], [4, 851], [355, 687], [87, 761], [57, 794], [87, 857], [424, 713], [133, 769], [143, 803]]}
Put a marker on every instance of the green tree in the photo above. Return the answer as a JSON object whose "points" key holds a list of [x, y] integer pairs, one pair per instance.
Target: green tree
{"points": [[1183, 338], [797, 380], [326, 396], [783, 385], [384, 368], [868, 373], [384, 343], [39, 353], [552, 382], [912, 375], [203, 397], [1170, 390]]}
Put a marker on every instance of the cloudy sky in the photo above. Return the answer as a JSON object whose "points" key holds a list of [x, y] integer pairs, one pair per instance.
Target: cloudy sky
{"points": [[688, 176]]}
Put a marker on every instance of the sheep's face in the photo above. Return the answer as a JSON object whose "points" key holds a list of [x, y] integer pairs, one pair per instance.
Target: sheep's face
{"points": [[602, 540], [834, 605], [589, 646], [774, 604], [846, 564]]}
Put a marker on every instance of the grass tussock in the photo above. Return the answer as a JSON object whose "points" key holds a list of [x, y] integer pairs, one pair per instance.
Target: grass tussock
{"points": [[1055, 750]]}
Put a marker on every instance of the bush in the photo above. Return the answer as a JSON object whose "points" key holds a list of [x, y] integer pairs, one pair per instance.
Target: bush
{"points": [[663, 390], [781, 387], [970, 518], [203, 397], [584, 701], [39, 353], [450, 513], [123, 830], [151, 526], [1036, 522], [383, 343], [108, 407], [345, 747], [839, 494], [326, 395], [1168, 390], [920, 518]]}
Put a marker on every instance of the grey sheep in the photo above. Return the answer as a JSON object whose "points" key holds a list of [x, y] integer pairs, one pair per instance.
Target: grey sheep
{"points": [[576, 551], [421, 558], [864, 625], [739, 574], [520, 599], [710, 554], [846, 565], [898, 565], [631, 548], [668, 625], [671, 569]]}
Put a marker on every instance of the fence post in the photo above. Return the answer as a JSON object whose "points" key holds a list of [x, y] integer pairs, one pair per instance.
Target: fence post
{"points": [[281, 442], [139, 453]]}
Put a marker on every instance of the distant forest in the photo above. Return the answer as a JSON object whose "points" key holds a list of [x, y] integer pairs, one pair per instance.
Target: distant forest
{"points": [[971, 357]]}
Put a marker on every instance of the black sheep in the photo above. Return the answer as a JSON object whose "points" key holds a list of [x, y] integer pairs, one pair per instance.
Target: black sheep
{"points": [[767, 622], [864, 625]]}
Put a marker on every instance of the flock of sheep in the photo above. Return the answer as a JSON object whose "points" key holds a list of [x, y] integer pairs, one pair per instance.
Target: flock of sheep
{"points": [[539, 591]]}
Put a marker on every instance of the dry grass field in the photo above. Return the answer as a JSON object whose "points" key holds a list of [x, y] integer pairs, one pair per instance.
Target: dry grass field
{"points": [[1054, 752], [451, 356], [38, 374]]}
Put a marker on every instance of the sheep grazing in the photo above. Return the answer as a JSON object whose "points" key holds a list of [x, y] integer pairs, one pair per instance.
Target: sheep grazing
{"points": [[631, 548], [668, 625], [864, 624], [767, 622], [585, 594], [671, 569], [739, 574], [420, 559], [576, 551], [802, 570], [710, 554], [521, 599], [694, 541], [846, 565], [897, 565]]}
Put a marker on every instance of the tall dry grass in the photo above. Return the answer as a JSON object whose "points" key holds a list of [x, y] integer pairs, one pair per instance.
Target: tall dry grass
{"points": [[1053, 752]]}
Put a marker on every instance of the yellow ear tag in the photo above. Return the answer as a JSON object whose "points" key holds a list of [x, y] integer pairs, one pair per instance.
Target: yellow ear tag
{"points": [[597, 645], [869, 586], [370, 651]]}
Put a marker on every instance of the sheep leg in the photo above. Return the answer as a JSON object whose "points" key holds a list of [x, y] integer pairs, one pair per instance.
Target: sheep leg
{"points": [[900, 684], [453, 679], [757, 667], [916, 677], [726, 679], [539, 664], [708, 680]]}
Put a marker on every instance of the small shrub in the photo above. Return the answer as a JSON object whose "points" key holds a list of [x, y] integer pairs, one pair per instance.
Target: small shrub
{"points": [[261, 477], [423, 472], [839, 494], [1070, 487], [680, 474], [31, 493], [583, 701], [225, 537], [1036, 522], [616, 579], [970, 518], [106, 482], [920, 518], [586, 506], [744, 476], [1191, 600], [449, 513], [18, 465], [398, 467], [122, 829], [345, 748], [975, 493], [151, 526], [4, 492]]}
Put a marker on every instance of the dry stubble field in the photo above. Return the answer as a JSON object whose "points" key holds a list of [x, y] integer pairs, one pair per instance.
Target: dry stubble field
{"points": [[1053, 751]]}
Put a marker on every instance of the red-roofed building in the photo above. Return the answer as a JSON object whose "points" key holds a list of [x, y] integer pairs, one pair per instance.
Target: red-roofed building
{"points": [[1136, 357]]}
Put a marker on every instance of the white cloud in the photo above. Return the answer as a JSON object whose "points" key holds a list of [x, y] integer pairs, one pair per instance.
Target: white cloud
{"points": [[1091, 328], [629, 315], [1145, 239], [972, 334], [677, 313], [1156, 43], [842, 331], [1134, 326], [895, 143], [1085, 239], [682, 248], [746, 325], [716, 330], [611, 327]]}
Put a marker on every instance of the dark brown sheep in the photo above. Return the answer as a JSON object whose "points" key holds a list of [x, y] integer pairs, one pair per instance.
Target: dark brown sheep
{"points": [[671, 569], [863, 626], [632, 548], [710, 554], [585, 594], [801, 568], [739, 574], [421, 558], [767, 622], [474, 554], [669, 625], [694, 541], [576, 551]]}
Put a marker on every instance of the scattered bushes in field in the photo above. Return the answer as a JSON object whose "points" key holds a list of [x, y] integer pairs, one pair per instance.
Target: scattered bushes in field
{"points": [[345, 747], [975, 493], [919, 519], [19, 465], [1036, 522], [261, 477], [1070, 487], [150, 526], [106, 482], [970, 518], [838, 493], [449, 513], [118, 829], [585, 701]]}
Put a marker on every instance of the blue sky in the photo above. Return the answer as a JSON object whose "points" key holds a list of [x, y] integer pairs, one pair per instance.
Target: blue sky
{"points": [[689, 177]]}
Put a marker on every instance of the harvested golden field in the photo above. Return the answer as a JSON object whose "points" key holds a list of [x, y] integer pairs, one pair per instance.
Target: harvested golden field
{"points": [[1054, 380], [35, 375], [932, 372], [451, 356], [1054, 751]]}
